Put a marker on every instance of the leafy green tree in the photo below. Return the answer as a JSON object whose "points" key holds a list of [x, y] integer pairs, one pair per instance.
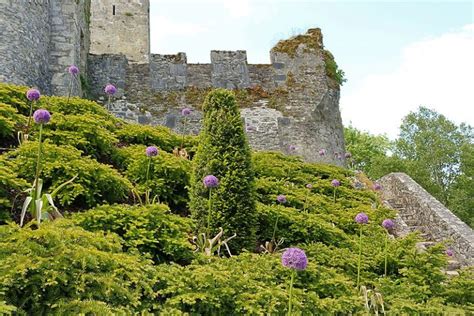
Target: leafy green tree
{"points": [[224, 152], [434, 145], [366, 149]]}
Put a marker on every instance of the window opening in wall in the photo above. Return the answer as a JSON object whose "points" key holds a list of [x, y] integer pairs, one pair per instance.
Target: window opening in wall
{"points": [[113, 10]]}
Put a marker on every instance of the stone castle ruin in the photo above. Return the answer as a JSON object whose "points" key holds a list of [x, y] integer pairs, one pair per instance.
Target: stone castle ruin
{"points": [[293, 102]]}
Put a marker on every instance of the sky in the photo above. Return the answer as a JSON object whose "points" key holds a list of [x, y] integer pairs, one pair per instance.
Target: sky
{"points": [[397, 55]]}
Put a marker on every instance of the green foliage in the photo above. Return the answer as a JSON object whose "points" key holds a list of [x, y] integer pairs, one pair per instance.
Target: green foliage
{"points": [[151, 229], [168, 175], [96, 183], [10, 186], [39, 268], [159, 136], [460, 289], [332, 69], [15, 96], [10, 121], [252, 284], [366, 149], [224, 152]]}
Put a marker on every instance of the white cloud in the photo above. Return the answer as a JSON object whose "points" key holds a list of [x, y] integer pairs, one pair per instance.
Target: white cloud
{"points": [[435, 72]]}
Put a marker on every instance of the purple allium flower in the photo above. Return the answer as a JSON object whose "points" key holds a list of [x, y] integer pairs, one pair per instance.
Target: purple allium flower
{"points": [[377, 187], [210, 181], [348, 155], [388, 224], [151, 151], [41, 116], [73, 70], [362, 218], [294, 258], [33, 95], [281, 199], [186, 111], [309, 186], [335, 183], [292, 147], [110, 89], [322, 152], [449, 252]]}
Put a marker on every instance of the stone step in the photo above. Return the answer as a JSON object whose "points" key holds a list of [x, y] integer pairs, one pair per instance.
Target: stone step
{"points": [[423, 245], [453, 265], [450, 273]]}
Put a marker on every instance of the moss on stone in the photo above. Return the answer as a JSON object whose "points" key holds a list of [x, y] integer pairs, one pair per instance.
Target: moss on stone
{"points": [[335, 74], [313, 39]]}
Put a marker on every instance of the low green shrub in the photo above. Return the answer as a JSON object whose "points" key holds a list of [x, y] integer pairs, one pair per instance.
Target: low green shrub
{"points": [[96, 183], [10, 187], [168, 178], [159, 136], [251, 284], [151, 229], [59, 262], [10, 122]]}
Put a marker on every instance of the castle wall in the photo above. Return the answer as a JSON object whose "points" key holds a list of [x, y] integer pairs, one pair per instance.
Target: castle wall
{"points": [[69, 44], [24, 43], [40, 39], [121, 27], [418, 208], [291, 102]]}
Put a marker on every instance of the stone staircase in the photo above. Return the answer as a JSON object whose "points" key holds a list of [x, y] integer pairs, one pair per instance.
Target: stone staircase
{"points": [[403, 227]]}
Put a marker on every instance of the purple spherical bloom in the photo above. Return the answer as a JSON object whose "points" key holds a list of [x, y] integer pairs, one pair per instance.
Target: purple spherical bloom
{"points": [[110, 89], [33, 95], [322, 152], [73, 70], [41, 116], [362, 218], [449, 252], [210, 181], [294, 258], [281, 199], [388, 224], [186, 111], [151, 151], [309, 186], [292, 147], [335, 183], [377, 187], [348, 155]]}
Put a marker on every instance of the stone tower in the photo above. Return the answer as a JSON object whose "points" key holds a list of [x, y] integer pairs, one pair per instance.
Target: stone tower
{"points": [[121, 27]]}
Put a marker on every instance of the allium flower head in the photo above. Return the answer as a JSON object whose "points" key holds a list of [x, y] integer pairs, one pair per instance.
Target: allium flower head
{"points": [[294, 258], [110, 89], [348, 155], [292, 147], [449, 252], [210, 181], [322, 152], [362, 218], [41, 116], [335, 183], [186, 111], [151, 151], [33, 95], [309, 186], [281, 199], [377, 187], [388, 224], [73, 70]]}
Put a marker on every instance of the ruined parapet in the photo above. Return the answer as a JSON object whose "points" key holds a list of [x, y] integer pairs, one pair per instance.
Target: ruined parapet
{"points": [[121, 27], [168, 72], [420, 209], [229, 69], [292, 102]]}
